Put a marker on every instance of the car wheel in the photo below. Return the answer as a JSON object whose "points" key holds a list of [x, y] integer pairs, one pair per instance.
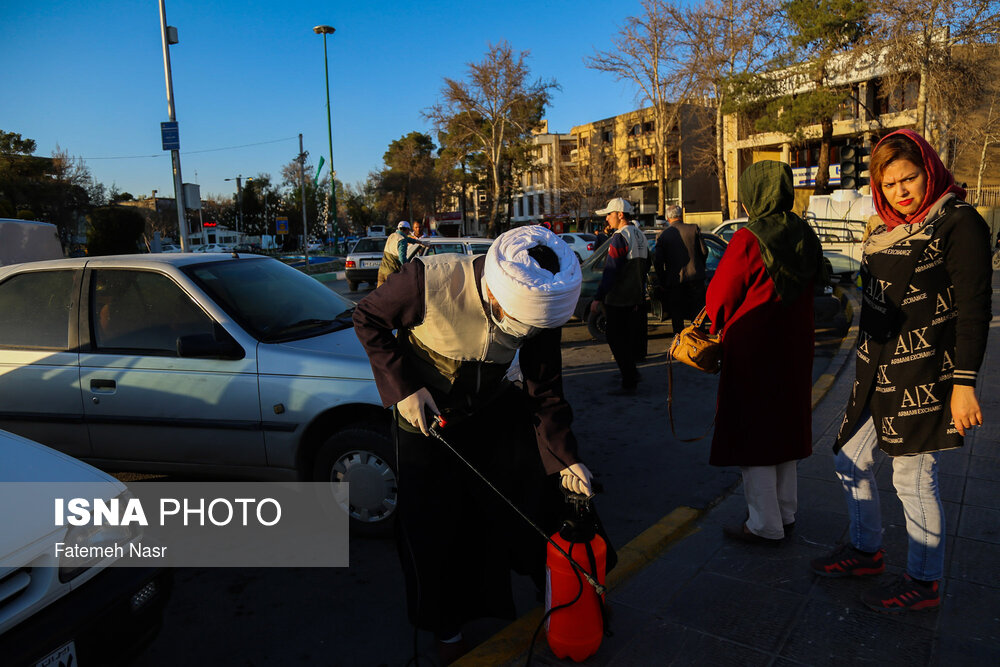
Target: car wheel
{"points": [[352, 286], [362, 455], [597, 325]]}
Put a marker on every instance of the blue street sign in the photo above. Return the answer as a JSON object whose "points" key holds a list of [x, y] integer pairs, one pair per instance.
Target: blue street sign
{"points": [[170, 136], [282, 225]]}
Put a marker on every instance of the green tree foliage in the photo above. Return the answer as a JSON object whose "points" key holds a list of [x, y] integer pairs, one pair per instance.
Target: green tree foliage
{"points": [[52, 189], [361, 204], [494, 109], [114, 230], [409, 184], [823, 33]]}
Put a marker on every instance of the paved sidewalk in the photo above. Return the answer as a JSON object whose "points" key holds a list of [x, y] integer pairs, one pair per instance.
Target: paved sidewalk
{"points": [[694, 598]]}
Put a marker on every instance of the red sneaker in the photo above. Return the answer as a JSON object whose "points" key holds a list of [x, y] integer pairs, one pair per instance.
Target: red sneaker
{"points": [[904, 594], [846, 561]]}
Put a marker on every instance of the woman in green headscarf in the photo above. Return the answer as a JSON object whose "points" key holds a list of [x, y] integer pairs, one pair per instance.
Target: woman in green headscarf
{"points": [[761, 300]]}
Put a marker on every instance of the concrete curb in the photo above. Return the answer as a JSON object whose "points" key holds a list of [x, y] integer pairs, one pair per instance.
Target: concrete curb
{"points": [[330, 277], [512, 642]]}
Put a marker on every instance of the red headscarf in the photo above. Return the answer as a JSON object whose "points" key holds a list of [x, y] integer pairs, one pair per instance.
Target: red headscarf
{"points": [[939, 183]]}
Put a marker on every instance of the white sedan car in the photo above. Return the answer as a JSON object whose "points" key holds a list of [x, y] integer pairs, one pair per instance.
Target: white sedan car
{"points": [[582, 244], [54, 610], [213, 247], [201, 364]]}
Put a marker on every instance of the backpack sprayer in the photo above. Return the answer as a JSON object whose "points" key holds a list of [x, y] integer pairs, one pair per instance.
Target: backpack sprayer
{"points": [[575, 618]]}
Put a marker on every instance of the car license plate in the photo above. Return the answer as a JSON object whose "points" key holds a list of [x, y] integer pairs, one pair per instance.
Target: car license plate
{"points": [[64, 656], [370, 263]]}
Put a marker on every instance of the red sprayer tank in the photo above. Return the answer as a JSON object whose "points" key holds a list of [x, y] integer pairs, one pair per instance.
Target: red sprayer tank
{"points": [[575, 631]]}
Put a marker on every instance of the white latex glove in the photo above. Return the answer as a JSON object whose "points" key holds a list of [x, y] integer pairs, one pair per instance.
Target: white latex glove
{"points": [[414, 409], [576, 478]]}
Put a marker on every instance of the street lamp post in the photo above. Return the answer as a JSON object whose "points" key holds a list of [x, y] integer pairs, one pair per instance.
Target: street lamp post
{"points": [[239, 201], [329, 30], [169, 36]]}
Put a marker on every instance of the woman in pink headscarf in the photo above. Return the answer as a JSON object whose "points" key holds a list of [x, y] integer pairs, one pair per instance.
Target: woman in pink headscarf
{"points": [[924, 319]]}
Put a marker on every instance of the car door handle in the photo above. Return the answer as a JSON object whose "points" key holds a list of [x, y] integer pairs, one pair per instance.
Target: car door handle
{"points": [[105, 386]]}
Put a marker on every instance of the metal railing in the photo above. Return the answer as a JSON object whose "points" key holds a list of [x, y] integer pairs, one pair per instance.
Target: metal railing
{"points": [[988, 195]]}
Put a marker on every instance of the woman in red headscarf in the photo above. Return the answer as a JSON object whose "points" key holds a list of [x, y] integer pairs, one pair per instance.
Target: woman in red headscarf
{"points": [[924, 319]]}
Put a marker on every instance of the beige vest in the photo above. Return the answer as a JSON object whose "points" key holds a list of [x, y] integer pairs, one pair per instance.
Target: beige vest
{"points": [[459, 352], [390, 258]]}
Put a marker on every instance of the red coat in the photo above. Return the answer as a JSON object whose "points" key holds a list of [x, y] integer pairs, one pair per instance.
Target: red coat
{"points": [[765, 388]]}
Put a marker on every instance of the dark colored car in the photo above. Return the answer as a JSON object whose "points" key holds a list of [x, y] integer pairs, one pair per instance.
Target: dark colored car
{"points": [[248, 248]]}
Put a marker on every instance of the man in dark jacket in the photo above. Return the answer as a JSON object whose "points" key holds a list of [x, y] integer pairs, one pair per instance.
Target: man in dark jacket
{"points": [[622, 292], [680, 268]]}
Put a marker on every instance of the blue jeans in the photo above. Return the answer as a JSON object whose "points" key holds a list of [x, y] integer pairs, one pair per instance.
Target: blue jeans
{"points": [[916, 480]]}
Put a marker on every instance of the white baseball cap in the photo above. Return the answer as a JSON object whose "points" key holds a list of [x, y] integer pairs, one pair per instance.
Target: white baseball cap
{"points": [[403, 224], [616, 204]]}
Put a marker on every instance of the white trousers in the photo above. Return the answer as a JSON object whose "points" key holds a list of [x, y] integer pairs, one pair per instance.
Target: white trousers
{"points": [[772, 497]]}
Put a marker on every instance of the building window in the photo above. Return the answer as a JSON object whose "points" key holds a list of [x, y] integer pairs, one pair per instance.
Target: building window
{"points": [[648, 126], [648, 160], [635, 130], [633, 161], [606, 136], [531, 206]]}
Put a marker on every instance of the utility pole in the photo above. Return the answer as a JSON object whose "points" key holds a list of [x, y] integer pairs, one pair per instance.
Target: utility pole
{"points": [[169, 35], [302, 178]]}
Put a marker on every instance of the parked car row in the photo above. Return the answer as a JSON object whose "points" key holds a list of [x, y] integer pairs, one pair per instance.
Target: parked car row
{"points": [[361, 265]]}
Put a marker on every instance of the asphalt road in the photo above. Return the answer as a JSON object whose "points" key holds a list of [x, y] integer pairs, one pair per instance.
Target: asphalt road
{"points": [[356, 615]]}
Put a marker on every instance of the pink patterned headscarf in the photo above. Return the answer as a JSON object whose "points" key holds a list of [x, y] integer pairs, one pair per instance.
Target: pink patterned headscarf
{"points": [[940, 182]]}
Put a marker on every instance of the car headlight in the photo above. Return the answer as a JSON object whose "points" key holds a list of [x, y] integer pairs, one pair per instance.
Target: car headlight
{"points": [[95, 539]]}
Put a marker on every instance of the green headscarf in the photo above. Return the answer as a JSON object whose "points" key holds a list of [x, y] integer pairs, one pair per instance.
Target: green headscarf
{"points": [[790, 248]]}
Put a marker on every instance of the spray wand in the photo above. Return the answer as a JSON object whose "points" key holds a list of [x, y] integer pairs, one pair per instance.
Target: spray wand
{"points": [[435, 429]]}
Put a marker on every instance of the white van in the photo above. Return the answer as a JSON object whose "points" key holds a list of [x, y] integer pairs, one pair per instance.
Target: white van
{"points": [[51, 614], [26, 241]]}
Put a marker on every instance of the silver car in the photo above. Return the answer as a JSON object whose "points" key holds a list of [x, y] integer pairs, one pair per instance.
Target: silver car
{"points": [[230, 366]]}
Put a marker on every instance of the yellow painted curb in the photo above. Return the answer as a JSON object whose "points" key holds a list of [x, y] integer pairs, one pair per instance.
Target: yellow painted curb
{"points": [[512, 642]]}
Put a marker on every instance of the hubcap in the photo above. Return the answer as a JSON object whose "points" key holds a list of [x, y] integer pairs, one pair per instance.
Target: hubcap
{"points": [[372, 486]]}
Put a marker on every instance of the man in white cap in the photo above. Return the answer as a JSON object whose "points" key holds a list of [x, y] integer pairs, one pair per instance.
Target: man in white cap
{"points": [[622, 292], [396, 251], [460, 320]]}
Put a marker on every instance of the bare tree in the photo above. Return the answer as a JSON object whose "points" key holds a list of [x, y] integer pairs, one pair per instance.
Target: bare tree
{"points": [[642, 54], [588, 183], [495, 109], [718, 41], [922, 38]]}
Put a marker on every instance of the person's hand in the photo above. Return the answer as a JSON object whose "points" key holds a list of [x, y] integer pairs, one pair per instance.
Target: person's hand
{"points": [[965, 411], [597, 307], [577, 478], [414, 409]]}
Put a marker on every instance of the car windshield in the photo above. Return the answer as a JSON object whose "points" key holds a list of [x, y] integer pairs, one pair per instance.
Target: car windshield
{"points": [[369, 245], [590, 238], [272, 301], [479, 248], [440, 248]]}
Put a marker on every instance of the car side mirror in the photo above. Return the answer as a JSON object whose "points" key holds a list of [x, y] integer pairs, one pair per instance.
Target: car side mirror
{"points": [[208, 346]]}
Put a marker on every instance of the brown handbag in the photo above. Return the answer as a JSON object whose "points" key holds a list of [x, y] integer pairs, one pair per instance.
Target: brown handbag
{"points": [[699, 349]]}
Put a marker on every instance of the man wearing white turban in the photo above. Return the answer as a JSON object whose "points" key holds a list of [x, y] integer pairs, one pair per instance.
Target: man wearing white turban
{"points": [[460, 320]]}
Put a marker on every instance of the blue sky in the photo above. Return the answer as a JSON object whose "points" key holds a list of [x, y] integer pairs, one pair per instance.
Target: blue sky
{"points": [[88, 77]]}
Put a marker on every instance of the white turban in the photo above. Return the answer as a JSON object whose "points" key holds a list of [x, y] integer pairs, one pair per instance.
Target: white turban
{"points": [[531, 294]]}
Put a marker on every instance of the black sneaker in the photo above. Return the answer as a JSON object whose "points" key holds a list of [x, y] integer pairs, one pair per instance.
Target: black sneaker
{"points": [[846, 561], [904, 594]]}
